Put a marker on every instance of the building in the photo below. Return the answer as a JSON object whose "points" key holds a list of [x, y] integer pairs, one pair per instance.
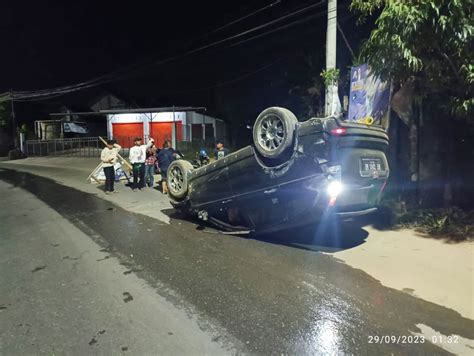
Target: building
{"points": [[177, 124], [101, 112]]}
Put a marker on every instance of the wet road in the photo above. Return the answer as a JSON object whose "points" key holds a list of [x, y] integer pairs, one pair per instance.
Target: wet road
{"points": [[63, 294], [273, 296]]}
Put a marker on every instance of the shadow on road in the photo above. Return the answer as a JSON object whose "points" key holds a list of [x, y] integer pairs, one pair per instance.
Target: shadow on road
{"points": [[331, 235]]}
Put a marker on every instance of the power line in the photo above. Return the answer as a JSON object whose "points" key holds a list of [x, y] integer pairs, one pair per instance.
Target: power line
{"points": [[234, 80], [104, 78], [39, 98], [242, 18], [345, 40], [244, 76], [291, 24], [97, 81], [45, 96], [230, 38], [308, 18]]}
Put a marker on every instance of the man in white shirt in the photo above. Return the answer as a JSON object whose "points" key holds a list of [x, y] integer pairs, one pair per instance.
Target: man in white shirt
{"points": [[137, 158], [109, 158]]}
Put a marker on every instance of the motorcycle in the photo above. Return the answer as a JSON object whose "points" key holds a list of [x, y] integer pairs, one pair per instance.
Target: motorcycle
{"points": [[201, 160]]}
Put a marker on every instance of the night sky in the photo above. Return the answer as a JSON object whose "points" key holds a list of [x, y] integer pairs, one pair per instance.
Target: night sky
{"points": [[55, 43]]}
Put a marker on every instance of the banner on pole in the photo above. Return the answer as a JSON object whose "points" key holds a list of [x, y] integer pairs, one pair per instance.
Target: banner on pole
{"points": [[369, 96]]}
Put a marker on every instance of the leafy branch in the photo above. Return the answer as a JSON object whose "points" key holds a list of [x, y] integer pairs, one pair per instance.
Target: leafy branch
{"points": [[426, 39], [330, 76]]}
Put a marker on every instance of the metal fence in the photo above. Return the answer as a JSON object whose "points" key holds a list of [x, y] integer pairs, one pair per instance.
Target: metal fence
{"points": [[92, 146], [77, 147]]}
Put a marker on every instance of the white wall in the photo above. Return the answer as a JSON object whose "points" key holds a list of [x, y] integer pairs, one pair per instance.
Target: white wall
{"points": [[197, 118], [187, 119]]}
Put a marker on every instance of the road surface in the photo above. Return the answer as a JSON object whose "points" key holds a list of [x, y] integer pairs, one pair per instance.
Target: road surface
{"points": [[218, 293]]}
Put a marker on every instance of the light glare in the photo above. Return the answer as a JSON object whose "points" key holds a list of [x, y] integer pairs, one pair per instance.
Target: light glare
{"points": [[334, 189]]}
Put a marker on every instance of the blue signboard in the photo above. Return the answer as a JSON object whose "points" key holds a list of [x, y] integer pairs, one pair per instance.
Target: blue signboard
{"points": [[369, 97]]}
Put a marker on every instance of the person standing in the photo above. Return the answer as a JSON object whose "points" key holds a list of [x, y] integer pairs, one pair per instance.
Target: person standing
{"points": [[165, 156], [150, 166], [109, 158], [220, 150], [137, 156]]}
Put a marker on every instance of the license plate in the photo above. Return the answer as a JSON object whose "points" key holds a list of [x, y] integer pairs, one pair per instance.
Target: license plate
{"points": [[371, 167]]}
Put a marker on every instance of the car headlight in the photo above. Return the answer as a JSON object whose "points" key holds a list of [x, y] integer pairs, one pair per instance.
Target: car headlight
{"points": [[335, 188]]}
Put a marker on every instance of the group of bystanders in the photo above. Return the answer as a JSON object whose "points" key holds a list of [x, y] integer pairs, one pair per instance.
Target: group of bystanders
{"points": [[146, 160]]}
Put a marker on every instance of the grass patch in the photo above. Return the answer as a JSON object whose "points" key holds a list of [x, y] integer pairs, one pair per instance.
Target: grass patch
{"points": [[453, 224]]}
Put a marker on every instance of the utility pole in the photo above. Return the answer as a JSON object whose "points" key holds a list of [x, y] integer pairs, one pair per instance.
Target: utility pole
{"points": [[331, 41], [173, 132], [15, 140]]}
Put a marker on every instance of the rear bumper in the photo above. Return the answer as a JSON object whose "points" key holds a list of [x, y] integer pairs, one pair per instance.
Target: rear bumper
{"points": [[311, 219], [352, 214]]}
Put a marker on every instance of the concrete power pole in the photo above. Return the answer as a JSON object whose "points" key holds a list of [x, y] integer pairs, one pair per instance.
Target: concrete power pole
{"points": [[15, 140], [332, 98]]}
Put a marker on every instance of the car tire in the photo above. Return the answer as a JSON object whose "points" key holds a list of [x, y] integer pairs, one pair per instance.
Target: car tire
{"points": [[274, 131], [177, 178]]}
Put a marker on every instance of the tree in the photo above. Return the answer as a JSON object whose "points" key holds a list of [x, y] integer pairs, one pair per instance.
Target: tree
{"points": [[426, 45], [305, 85], [430, 40]]}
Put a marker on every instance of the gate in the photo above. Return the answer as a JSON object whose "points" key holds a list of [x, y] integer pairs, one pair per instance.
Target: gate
{"points": [[68, 147]]}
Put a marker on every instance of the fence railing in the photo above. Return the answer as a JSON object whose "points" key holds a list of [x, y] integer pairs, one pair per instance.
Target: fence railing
{"points": [[77, 147], [92, 146]]}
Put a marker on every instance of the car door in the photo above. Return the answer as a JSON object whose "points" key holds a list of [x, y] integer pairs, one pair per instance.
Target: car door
{"points": [[211, 184]]}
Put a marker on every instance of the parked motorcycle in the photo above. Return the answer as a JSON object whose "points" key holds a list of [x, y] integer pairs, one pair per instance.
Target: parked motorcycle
{"points": [[201, 160]]}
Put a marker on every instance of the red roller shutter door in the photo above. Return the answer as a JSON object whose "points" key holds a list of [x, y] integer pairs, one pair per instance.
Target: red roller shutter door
{"points": [[124, 133], [162, 131]]}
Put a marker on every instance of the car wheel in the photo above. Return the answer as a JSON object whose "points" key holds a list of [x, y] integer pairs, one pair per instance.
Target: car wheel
{"points": [[177, 178], [273, 131]]}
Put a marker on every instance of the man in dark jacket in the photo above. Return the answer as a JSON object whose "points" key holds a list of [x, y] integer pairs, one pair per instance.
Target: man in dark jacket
{"points": [[165, 156]]}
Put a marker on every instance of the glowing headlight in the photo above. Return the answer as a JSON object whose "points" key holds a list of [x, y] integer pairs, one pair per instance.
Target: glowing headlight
{"points": [[335, 188]]}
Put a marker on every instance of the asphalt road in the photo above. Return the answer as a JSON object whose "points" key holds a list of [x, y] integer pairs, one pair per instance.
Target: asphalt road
{"points": [[277, 294], [64, 294]]}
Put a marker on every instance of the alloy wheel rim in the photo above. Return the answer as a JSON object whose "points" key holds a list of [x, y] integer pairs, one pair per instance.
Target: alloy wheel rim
{"points": [[271, 133], [177, 179]]}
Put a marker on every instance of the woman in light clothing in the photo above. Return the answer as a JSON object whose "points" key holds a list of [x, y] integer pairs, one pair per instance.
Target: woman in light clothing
{"points": [[109, 158]]}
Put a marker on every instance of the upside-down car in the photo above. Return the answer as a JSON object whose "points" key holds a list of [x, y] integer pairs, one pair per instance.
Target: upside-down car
{"points": [[295, 173]]}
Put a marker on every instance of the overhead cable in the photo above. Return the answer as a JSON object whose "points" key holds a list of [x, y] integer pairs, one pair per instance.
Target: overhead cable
{"points": [[99, 81], [104, 78]]}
